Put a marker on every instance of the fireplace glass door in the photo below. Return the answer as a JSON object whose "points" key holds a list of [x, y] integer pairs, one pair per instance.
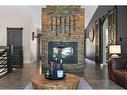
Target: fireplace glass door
{"points": [[63, 52]]}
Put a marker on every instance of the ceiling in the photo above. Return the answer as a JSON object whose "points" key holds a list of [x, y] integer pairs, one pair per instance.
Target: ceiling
{"points": [[89, 12]]}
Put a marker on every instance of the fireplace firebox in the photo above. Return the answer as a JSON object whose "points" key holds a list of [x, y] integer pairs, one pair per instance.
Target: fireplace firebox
{"points": [[62, 52]]}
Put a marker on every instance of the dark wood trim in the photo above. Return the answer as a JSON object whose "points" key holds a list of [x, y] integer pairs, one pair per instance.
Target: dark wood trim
{"points": [[15, 28]]}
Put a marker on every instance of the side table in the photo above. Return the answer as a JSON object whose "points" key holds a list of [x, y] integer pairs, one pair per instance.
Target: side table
{"points": [[71, 81]]}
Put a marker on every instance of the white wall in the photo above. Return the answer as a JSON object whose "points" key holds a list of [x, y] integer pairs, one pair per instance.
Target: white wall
{"points": [[28, 17], [33, 11]]}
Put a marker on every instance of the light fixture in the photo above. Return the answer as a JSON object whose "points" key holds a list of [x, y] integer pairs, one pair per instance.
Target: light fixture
{"points": [[114, 50]]}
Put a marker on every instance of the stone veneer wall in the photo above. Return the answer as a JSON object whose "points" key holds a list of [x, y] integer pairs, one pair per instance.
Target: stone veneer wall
{"points": [[73, 36]]}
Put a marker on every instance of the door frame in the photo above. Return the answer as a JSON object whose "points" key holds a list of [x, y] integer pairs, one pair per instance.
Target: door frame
{"points": [[11, 47], [100, 21]]}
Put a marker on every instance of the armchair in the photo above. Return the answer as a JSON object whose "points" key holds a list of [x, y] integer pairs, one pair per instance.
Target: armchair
{"points": [[117, 70]]}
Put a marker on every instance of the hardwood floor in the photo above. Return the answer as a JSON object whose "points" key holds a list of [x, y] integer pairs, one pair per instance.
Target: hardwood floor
{"points": [[94, 75], [19, 78], [97, 76]]}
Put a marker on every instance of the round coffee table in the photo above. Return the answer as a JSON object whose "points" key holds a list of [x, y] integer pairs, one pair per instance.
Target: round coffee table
{"points": [[71, 81]]}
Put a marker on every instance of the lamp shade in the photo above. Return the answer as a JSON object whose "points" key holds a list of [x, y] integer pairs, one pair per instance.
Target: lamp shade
{"points": [[115, 49]]}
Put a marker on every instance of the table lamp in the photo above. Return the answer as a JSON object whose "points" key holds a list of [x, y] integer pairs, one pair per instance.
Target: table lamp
{"points": [[114, 50]]}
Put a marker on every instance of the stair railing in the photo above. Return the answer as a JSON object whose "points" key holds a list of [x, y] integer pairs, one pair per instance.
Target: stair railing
{"points": [[3, 60]]}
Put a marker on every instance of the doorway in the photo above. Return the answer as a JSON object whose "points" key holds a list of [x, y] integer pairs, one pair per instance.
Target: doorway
{"points": [[14, 41], [105, 41], [109, 33]]}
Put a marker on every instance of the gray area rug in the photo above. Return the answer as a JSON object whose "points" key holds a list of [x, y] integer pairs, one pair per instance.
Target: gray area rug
{"points": [[82, 85]]}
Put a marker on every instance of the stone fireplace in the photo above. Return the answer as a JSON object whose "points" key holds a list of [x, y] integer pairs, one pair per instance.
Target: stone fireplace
{"points": [[64, 30]]}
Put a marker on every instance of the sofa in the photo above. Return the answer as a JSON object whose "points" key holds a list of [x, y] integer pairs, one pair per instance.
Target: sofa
{"points": [[117, 70]]}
